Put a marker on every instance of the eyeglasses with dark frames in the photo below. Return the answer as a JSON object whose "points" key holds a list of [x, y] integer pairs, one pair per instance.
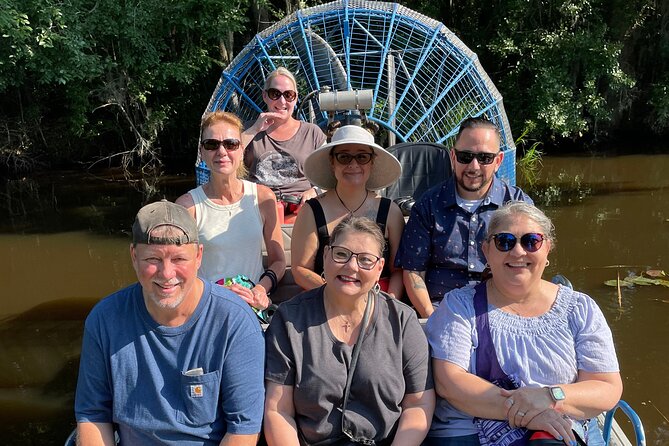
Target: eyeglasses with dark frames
{"points": [[346, 158], [229, 144], [274, 94], [466, 157], [505, 241], [342, 255]]}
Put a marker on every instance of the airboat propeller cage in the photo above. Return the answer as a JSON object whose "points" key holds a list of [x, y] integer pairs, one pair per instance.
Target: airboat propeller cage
{"points": [[346, 100], [424, 80]]}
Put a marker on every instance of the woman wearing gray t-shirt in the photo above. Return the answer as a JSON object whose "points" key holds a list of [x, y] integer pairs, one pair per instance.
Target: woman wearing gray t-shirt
{"points": [[277, 144], [346, 363]]}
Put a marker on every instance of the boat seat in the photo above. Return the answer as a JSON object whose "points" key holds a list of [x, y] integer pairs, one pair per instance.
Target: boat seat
{"points": [[424, 165], [287, 287]]}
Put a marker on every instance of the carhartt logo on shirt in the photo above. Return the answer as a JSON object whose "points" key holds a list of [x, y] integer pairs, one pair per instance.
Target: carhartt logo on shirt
{"points": [[196, 391]]}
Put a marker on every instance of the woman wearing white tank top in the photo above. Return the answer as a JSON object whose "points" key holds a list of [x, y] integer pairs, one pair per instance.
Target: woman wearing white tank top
{"points": [[235, 216]]}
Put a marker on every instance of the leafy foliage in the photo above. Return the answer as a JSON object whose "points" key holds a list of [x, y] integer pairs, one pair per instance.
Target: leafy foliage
{"points": [[573, 70], [125, 81], [108, 73]]}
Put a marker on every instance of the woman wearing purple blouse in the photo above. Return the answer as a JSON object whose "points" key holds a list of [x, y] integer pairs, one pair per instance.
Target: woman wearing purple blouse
{"points": [[516, 353]]}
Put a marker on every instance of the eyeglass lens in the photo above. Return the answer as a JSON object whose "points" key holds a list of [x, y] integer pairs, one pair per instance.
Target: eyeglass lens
{"points": [[360, 158], [531, 242], [275, 94], [343, 255], [229, 144], [466, 157]]}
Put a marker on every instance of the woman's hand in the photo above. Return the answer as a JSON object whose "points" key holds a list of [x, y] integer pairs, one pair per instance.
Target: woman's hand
{"points": [[555, 423], [265, 121], [256, 296], [308, 195], [525, 403]]}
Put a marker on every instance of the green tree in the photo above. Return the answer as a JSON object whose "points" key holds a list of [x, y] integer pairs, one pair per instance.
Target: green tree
{"points": [[109, 73], [558, 63]]}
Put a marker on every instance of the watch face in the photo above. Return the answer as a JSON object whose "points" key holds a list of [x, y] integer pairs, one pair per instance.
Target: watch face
{"points": [[557, 393]]}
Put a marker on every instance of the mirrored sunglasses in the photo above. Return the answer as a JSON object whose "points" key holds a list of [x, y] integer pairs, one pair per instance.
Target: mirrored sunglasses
{"points": [[346, 158], [342, 255], [505, 241], [229, 144], [466, 157], [275, 94]]}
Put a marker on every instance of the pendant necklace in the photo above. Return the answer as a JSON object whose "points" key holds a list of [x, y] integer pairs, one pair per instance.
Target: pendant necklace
{"points": [[351, 212], [345, 323]]}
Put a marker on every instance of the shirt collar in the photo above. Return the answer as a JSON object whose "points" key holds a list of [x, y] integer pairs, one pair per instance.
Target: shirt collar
{"points": [[495, 193]]}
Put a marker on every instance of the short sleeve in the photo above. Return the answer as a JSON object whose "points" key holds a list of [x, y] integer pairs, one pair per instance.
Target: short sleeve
{"points": [[450, 329], [595, 351], [416, 357], [93, 400], [243, 390], [321, 138], [413, 252], [279, 357]]}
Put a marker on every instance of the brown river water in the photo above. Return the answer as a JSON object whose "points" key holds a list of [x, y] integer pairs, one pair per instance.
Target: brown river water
{"points": [[65, 239]]}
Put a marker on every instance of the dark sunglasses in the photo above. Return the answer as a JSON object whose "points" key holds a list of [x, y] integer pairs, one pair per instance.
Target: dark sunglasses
{"points": [[229, 144], [343, 255], [505, 241], [275, 94], [465, 157], [346, 158]]}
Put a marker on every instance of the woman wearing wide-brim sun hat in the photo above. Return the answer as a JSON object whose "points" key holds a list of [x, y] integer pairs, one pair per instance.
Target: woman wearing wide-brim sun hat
{"points": [[351, 167]]}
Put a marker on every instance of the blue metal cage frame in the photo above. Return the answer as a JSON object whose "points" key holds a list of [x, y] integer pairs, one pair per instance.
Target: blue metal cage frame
{"points": [[425, 80]]}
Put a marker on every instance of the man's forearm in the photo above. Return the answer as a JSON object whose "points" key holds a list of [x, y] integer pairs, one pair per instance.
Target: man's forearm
{"points": [[414, 282], [239, 440], [95, 434]]}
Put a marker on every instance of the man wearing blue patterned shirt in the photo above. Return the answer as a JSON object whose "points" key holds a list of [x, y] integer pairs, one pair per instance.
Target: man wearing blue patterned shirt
{"points": [[441, 245]]}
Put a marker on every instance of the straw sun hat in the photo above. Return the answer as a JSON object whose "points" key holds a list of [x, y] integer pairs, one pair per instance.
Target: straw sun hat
{"points": [[385, 168]]}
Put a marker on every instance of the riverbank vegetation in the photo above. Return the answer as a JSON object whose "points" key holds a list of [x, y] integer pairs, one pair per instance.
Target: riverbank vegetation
{"points": [[125, 82]]}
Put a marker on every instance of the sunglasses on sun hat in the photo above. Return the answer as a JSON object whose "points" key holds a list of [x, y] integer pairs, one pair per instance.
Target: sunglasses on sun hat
{"points": [[505, 241], [274, 94]]}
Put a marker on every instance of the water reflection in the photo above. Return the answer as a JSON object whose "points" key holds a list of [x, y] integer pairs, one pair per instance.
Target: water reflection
{"points": [[66, 246], [613, 218]]}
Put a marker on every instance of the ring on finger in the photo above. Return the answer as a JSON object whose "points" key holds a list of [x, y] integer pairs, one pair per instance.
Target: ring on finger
{"points": [[510, 400], [522, 414]]}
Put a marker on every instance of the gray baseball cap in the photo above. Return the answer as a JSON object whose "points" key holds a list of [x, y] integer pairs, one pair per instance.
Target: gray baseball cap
{"points": [[164, 213]]}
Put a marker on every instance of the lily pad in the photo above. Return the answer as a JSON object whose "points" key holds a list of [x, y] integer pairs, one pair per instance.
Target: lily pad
{"points": [[639, 280], [662, 282], [614, 283], [648, 277], [655, 273]]}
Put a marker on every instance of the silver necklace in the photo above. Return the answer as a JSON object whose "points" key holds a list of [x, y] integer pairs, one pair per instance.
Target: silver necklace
{"points": [[351, 212]]}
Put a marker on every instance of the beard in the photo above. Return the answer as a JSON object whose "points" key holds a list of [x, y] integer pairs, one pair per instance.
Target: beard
{"points": [[467, 183], [167, 302]]}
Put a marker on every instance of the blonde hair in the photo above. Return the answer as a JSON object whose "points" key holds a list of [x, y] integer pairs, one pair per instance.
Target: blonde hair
{"points": [[231, 119], [281, 71]]}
